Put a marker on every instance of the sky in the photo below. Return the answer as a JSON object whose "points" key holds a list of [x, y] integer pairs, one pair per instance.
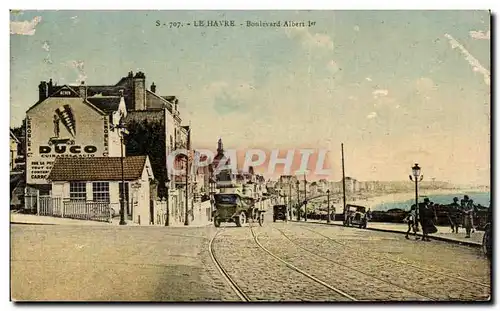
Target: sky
{"points": [[395, 87]]}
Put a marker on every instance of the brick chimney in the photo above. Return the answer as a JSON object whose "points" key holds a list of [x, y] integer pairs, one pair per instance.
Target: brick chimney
{"points": [[42, 91], [50, 88], [153, 88], [140, 91], [83, 90]]}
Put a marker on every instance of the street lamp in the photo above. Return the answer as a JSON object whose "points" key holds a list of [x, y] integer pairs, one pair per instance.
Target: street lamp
{"points": [[167, 218], [122, 130], [212, 195], [298, 200], [289, 213], [328, 203], [416, 174]]}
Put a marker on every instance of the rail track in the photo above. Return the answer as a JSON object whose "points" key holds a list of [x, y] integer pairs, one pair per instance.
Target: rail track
{"points": [[244, 296], [289, 265], [353, 269], [367, 254], [237, 290]]}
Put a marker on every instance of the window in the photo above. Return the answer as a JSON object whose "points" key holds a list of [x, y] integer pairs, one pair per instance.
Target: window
{"points": [[100, 191], [77, 190]]}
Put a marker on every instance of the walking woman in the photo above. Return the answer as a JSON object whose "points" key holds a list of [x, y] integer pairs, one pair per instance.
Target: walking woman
{"points": [[427, 217]]}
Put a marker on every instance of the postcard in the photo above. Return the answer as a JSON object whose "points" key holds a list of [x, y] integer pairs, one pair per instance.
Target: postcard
{"points": [[250, 156]]}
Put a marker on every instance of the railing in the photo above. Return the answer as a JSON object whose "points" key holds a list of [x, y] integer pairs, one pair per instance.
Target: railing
{"points": [[75, 209]]}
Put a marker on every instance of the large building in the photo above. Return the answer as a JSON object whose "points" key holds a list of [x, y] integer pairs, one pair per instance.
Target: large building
{"points": [[79, 121]]}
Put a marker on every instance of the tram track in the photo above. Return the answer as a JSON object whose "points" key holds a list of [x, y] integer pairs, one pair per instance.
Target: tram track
{"points": [[353, 269], [234, 286], [293, 267], [287, 282], [423, 269]]}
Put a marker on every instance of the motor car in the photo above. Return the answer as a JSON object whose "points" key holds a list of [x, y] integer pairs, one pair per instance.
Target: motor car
{"points": [[356, 216], [279, 212]]}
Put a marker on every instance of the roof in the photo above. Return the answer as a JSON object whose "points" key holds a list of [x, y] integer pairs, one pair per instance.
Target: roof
{"points": [[105, 103], [97, 169], [13, 136], [76, 95]]}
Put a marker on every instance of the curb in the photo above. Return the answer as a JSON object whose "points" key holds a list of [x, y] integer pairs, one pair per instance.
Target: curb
{"points": [[437, 238], [110, 225], [30, 223]]}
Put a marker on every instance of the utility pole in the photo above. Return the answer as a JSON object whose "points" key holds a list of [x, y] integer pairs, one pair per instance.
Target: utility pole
{"points": [[290, 199], [343, 179], [298, 200], [186, 218], [328, 205], [305, 197]]}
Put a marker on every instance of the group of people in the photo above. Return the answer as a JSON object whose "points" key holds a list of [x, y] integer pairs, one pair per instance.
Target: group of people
{"points": [[462, 213], [457, 212]]}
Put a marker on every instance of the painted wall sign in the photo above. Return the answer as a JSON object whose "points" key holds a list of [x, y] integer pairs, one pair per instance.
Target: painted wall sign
{"points": [[62, 127]]}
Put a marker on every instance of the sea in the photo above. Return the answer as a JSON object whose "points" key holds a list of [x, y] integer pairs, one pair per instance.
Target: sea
{"points": [[482, 198]]}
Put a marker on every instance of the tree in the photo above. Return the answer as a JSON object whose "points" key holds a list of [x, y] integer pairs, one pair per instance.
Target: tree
{"points": [[148, 138]]}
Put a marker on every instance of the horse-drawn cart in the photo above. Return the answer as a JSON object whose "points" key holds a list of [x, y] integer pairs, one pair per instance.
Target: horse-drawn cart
{"points": [[237, 208]]}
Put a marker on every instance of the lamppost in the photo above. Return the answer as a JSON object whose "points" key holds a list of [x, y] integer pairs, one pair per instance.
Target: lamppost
{"points": [[212, 197], [298, 200], [122, 130], [416, 174], [167, 218], [328, 205], [289, 213]]}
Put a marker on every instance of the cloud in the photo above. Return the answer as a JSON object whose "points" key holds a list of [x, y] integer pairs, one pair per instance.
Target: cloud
{"points": [[356, 28], [480, 35], [476, 66], [78, 65], [379, 93], [46, 46], [26, 28], [228, 97], [371, 115], [16, 12], [310, 40], [333, 66], [425, 85]]}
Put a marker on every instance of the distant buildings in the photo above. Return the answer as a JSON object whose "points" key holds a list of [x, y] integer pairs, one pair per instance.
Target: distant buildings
{"points": [[14, 150]]}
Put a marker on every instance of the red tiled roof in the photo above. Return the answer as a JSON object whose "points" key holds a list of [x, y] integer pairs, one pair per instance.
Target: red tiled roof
{"points": [[97, 169]]}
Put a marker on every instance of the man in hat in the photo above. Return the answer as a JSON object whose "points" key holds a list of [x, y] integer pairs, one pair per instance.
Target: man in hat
{"points": [[468, 211], [454, 215]]}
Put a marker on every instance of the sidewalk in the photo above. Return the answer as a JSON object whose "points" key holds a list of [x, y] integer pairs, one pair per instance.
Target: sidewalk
{"points": [[27, 219], [443, 234]]}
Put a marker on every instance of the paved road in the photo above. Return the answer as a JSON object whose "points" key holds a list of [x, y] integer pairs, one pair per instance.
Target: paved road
{"points": [[173, 264]]}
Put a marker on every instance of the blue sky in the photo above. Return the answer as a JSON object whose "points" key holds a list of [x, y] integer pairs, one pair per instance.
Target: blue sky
{"points": [[389, 84]]}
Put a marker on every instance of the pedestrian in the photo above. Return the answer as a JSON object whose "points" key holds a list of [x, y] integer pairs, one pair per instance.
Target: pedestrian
{"points": [[427, 216], [412, 223], [468, 210], [454, 215]]}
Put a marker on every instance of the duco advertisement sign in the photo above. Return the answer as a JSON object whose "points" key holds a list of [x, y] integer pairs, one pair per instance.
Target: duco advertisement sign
{"points": [[62, 127]]}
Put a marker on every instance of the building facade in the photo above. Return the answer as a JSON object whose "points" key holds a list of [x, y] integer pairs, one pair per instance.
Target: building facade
{"points": [[14, 150], [78, 182], [79, 121]]}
